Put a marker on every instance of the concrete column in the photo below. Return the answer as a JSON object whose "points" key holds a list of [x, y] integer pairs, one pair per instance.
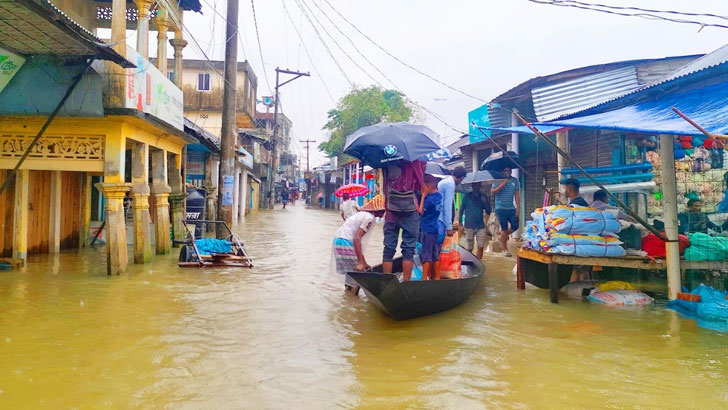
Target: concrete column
{"points": [[143, 7], [236, 198], [162, 26], [54, 230], [140, 205], [562, 141], [85, 212], [118, 26], [178, 43], [243, 195], [669, 214], [177, 196], [161, 192], [117, 259], [20, 224]]}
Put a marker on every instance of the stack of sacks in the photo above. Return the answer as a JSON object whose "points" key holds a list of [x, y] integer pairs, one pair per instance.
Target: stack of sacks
{"points": [[704, 247], [575, 231]]}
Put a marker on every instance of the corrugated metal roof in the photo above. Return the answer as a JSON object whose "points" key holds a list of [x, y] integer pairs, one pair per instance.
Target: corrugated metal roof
{"points": [[553, 101], [717, 57]]}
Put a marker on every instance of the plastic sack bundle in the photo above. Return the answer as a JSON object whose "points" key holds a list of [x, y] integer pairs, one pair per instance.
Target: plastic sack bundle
{"points": [[582, 245], [603, 251], [620, 297], [711, 312], [704, 247], [208, 246], [575, 220]]}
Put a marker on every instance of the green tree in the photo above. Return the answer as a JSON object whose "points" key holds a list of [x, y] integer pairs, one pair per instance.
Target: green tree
{"points": [[361, 108]]}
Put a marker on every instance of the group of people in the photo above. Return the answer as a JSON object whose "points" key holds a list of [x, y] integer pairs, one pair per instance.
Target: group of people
{"points": [[419, 207]]}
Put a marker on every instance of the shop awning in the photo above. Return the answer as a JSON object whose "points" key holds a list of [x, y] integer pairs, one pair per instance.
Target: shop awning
{"points": [[32, 27], [706, 106]]}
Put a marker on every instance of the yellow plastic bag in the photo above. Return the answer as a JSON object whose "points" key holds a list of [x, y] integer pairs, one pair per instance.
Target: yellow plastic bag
{"points": [[615, 285]]}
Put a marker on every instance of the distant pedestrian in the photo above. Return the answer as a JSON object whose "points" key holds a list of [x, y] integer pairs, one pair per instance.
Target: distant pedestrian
{"points": [[348, 207], [473, 208], [430, 209], [506, 193], [571, 189], [285, 197]]}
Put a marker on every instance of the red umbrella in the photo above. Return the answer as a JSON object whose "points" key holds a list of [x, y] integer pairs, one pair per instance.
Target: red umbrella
{"points": [[352, 189]]}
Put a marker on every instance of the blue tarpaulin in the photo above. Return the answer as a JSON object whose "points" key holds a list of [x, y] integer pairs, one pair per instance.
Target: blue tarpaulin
{"points": [[707, 106]]}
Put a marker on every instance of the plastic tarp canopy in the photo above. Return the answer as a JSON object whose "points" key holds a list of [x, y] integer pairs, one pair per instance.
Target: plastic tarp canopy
{"points": [[522, 129], [707, 106]]}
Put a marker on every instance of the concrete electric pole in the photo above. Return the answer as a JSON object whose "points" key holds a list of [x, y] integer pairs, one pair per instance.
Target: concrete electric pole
{"points": [[307, 142], [274, 141], [229, 132]]}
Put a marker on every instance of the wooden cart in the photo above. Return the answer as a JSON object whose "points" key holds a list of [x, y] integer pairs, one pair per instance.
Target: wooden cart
{"points": [[190, 256]]}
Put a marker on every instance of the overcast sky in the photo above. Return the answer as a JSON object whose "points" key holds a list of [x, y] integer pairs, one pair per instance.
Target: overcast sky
{"points": [[481, 47]]}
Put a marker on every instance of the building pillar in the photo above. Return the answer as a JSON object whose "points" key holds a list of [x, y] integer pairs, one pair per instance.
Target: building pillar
{"points": [[140, 205], [118, 26], [54, 230], [562, 141], [162, 26], [143, 7], [20, 225], [178, 43], [117, 259], [85, 212], [669, 214], [176, 197], [236, 198], [161, 192], [243, 195]]}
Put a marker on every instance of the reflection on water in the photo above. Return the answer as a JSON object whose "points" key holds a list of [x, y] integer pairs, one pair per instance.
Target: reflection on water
{"points": [[283, 335]]}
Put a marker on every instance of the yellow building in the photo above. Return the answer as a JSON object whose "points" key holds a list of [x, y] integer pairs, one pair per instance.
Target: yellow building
{"points": [[121, 125]]}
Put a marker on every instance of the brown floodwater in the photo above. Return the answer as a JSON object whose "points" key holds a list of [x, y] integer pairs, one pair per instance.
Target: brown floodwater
{"points": [[284, 335]]}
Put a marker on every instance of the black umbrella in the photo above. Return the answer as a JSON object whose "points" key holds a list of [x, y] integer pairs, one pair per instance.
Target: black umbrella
{"points": [[387, 144], [436, 170], [498, 160], [482, 176]]}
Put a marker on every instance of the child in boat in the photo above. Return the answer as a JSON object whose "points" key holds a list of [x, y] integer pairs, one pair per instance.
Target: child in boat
{"points": [[349, 240], [430, 208]]}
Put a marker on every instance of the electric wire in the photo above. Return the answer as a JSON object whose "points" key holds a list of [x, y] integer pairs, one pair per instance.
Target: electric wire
{"points": [[647, 16], [399, 60], [681, 13], [260, 47]]}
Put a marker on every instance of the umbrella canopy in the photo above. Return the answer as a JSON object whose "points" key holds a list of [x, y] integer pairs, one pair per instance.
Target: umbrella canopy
{"points": [[442, 153], [436, 170], [352, 189], [482, 176], [497, 161], [388, 144]]}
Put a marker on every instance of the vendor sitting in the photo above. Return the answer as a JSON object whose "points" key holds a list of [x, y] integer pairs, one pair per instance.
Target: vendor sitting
{"points": [[696, 221], [571, 189]]}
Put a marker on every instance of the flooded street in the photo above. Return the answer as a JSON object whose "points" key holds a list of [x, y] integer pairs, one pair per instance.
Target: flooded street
{"points": [[284, 335]]}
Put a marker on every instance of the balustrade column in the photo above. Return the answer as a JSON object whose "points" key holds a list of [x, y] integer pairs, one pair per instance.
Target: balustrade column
{"points": [[143, 7]]}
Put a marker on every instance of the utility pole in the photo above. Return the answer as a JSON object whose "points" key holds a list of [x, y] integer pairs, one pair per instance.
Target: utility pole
{"points": [[274, 142], [308, 168], [228, 135]]}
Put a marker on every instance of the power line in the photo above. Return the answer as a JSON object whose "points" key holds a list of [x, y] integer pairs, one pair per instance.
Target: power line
{"points": [[435, 115], [681, 13], [214, 10], [260, 47], [328, 50], [399, 60], [307, 53], [647, 16]]}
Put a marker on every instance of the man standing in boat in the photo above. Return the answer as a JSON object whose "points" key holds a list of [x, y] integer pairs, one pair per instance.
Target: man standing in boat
{"points": [[401, 181]]}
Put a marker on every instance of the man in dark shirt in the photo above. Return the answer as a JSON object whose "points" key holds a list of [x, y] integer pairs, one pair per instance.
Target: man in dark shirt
{"points": [[695, 221], [571, 189], [473, 206]]}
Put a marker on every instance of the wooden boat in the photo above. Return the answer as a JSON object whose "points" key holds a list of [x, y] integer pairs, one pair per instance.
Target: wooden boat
{"points": [[407, 300]]}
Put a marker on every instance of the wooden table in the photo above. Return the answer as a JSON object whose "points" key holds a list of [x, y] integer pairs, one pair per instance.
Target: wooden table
{"points": [[553, 261]]}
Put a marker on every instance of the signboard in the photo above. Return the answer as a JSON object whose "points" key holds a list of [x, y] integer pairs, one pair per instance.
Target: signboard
{"points": [[148, 90], [10, 64], [227, 190], [480, 117], [195, 164]]}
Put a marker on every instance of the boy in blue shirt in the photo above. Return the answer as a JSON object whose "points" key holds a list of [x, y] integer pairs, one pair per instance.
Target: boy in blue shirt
{"points": [[430, 208]]}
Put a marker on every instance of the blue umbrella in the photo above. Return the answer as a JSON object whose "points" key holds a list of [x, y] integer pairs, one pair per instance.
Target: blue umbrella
{"points": [[497, 161], [388, 144]]}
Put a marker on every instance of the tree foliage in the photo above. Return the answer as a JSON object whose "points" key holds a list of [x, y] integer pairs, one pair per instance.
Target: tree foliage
{"points": [[361, 108]]}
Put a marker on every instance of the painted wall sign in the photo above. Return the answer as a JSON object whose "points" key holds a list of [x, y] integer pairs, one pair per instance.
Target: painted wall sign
{"points": [[10, 64], [148, 90], [481, 118], [227, 190]]}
